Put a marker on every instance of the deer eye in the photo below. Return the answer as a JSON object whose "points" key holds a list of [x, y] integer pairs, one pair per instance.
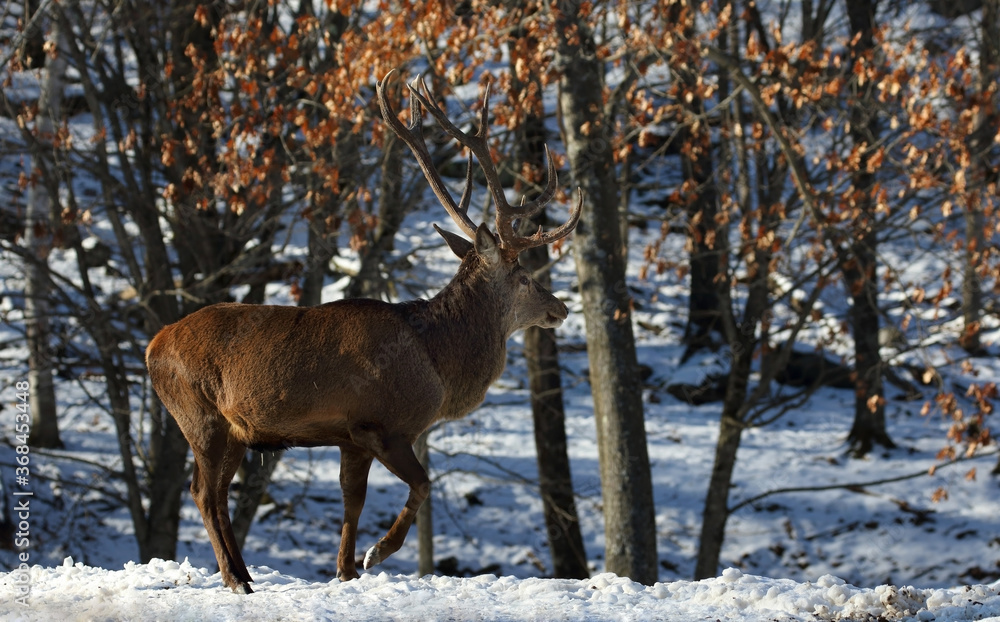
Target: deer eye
{"points": [[525, 280]]}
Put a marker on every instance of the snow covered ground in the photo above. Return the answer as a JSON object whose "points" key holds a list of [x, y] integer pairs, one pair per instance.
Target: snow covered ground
{"points": [[179, 591]]}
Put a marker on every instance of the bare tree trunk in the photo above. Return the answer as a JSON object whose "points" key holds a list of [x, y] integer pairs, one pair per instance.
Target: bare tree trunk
{"points": [[980, 148], [167, 483], [716, 513], [425, 515], [629, 515], [156, 527], [255, 477], [39, 238], [569, 557], [32, 46], [7, 528], [863, 316], [706, 249], [121, 412], [769, 181], [858, 260], [737, 404], [198, 251], [322, 246], [972, 294]]}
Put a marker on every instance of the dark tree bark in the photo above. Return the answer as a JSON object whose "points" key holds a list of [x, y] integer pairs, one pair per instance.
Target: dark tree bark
{"points": [[983, 165], [7, 528], [759, 184], [706, 248], [39, 236], [744, 341], [858, 256], [745, 338], [255, 477], [125, 190], [130, 190], [425, 515], [166, 486], [199, 251], [569, 557], [202, 246], [31, 52], [629, 515], [716, 512]]}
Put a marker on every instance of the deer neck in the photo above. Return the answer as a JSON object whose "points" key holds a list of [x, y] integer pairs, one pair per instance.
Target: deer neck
{"points": [[465, 332]]}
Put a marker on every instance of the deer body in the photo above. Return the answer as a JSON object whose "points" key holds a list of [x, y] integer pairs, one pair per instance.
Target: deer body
{"points": [[364, 375], [339, 361]]}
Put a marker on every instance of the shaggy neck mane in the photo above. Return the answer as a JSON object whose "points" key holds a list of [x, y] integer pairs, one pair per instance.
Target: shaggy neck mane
{"points": [[463, 329]]}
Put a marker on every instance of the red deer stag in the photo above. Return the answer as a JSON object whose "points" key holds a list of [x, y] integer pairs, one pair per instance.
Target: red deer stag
{"points": [[365, 375]]}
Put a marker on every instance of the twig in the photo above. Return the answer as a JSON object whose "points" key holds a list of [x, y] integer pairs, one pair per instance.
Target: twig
{"points": [[61, 456], [107, 492], [877, 482]]}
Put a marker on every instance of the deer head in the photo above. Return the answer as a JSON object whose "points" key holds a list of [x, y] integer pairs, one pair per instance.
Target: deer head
{"points": [[529, 303]]}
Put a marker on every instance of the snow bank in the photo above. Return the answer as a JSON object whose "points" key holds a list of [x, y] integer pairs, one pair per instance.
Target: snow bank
{"points": [[167, 590]]}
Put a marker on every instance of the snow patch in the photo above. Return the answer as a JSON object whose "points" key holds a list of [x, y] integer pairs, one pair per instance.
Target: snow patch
{"points": [[180, 591]]}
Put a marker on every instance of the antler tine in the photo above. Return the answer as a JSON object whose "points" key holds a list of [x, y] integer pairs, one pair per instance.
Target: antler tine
{"points": [[463, 205], [414, 139], [518, 243], [506, 214], [479, 146]]}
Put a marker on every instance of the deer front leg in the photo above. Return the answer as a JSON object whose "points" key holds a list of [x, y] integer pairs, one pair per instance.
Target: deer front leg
{"points": [[354, 466], [399, 458]]}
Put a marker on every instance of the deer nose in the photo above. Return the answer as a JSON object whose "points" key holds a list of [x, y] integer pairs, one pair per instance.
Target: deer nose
{"points": [[558, 313], [563, 311]]}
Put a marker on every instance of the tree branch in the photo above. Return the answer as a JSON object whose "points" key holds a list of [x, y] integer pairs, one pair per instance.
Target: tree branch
{"points": [[877, 482]]}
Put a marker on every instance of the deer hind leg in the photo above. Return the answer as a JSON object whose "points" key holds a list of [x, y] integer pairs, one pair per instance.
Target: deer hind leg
{"points": [[354, 466], [233, 458], [215, 463], [399, 458]]}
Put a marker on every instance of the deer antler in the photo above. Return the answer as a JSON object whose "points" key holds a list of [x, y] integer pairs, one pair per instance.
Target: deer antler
{"points": [[413, 136], [478, 146]]}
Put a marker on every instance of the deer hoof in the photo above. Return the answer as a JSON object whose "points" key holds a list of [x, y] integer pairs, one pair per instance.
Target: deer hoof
{"points": [[372, 557], [242, 588]]}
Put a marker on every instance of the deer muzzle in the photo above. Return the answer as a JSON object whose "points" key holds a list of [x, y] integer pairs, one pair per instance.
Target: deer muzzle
{"points": [[554, 318]]}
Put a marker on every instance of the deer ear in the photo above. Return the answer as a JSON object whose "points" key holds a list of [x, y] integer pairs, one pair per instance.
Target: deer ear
{"points": [[486, 245], [458, 245]]}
